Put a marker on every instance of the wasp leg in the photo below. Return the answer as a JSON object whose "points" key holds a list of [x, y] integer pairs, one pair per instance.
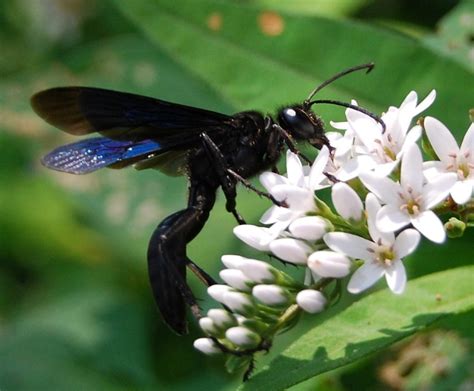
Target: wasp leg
{"points": [[167, 258], [228, 183], [249, 185], [290, 143]]}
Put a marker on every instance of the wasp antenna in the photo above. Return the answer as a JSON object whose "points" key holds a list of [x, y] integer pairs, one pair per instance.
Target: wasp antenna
{"points": [[350, 106], [369, 66]]}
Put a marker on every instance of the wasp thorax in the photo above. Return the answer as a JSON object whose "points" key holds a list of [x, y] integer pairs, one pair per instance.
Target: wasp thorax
{"points": [[300, 123]]}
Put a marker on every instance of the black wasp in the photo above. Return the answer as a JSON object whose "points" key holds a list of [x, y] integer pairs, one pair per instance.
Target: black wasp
{"points": [[213, 150]]}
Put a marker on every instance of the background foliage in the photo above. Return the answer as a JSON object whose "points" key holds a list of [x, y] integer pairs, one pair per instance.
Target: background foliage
{"points": [[75, 305]]}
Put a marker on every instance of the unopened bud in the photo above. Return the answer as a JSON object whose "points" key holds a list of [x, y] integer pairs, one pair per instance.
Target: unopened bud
{"points": [[329, 264], [311, 300], [271, 295], [291, 250], [455, 228], [309, 228], [240, 303], [236, 279], [206, 346], [217, 291], [243, 337], [208, 326], [222, 319]]}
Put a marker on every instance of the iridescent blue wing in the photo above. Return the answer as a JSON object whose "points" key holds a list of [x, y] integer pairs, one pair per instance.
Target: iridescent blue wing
{"points": [[121, 115], [89, 155]]}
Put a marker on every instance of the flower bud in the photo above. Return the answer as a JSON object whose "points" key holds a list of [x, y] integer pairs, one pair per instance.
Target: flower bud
{"points": [[217, 291], [208, 326], [329, 264], [291, 250], [243, 337], [256, 237], [236, 279], [258, 271], [455, 228], [311, 300], [232, 261], [240, 303], [309, 228], [222, 319], [206, 346], [271, 295]]}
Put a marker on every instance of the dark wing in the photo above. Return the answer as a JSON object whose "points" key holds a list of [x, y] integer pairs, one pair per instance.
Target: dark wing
{"points": [[94, 153], [120, 115]]}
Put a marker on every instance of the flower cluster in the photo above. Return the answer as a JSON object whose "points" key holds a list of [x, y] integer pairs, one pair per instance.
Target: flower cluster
{"points": [[384, 198]]}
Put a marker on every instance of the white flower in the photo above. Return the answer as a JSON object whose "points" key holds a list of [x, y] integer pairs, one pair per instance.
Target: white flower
{"points": [[375, 149], [296, 190], [411, 200], [311, 300], [206, 346], [217, 291], [452, 158], [382, 256], [271, 295], [329, 264], [347, 202]]}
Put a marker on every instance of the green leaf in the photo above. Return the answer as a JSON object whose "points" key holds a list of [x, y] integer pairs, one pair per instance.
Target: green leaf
{"points": [[369, 325], [260, 62], [315, 7], [454, 35]]}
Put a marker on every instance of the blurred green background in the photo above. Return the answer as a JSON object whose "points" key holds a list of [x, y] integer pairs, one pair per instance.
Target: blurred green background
{"points": [[75, 306]]}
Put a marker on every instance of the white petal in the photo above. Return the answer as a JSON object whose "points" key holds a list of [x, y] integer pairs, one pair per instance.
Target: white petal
{"points": [[372, 206], [311, 300], [310, 228], [256, 237], [467, 145], [411, 176], [406, 242], [385, 169], [294, 169], [364, 277], [430, 226], [438, 189], [269, 179], [297, 198], [318, 167], [347, 202], [390, 218], [329, 264], [425, 103], [396, 277], [412, 136], [383, 187], [441, 139], [274, 214], [462, 191], [291, 250], [351, 245]]}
